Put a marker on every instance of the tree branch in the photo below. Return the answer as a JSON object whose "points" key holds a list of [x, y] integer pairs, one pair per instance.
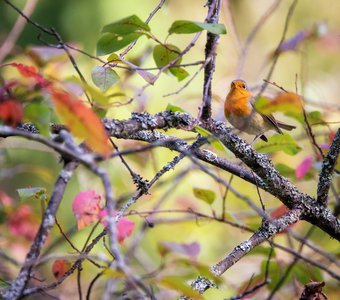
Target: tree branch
{"points": [[267, 230], [328, 165], [210, 58], [19, 284]]}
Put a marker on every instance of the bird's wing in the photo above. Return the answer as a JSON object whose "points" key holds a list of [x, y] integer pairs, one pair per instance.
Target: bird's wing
{"points": [[268, 118]]}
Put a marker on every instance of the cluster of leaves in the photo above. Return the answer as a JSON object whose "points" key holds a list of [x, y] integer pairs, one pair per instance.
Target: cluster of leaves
{"points": [[79, 118], [167, 57]]}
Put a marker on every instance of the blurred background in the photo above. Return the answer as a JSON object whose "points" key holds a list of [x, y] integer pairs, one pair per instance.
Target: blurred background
{"points": [[314, 61]]}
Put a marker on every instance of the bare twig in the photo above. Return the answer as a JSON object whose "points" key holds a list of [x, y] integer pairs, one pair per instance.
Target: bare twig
{"points": [[18, 27], [252, 35], [157, 8], [277, 52]]}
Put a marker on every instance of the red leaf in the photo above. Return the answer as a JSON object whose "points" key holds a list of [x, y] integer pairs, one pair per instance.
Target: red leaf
{"points": [[81, 120], [304, 167], [124, 226], [60, 267], [11, 112], [331, 136], [22, 222], [85, 207], [32, 72], [279, 212]]}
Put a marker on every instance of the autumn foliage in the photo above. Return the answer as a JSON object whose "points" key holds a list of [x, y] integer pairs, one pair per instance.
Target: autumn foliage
{"points": [[120, 176]]}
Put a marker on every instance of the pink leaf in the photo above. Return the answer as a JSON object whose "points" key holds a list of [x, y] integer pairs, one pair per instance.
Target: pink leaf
{"points": [[85, 207], [304, 167], [124, 226], [22, 222], [187, 249]]}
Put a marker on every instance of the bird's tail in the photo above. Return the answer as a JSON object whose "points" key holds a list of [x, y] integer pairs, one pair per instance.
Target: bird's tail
{"points": [[285, 126]]}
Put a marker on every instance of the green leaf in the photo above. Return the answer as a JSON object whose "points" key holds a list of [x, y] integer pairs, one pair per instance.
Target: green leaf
{"points": [[278, 142], [179, 284], [207, 196], [305, 273], [289, 172], [285, 170], [36, 192], [185, 26], [126, 26], [179, 73], [113, 58], [175, 108], [315, 117], [39, 114], [276, 272], [112, 42], [104, 77], [214, 141], [164, 54]]}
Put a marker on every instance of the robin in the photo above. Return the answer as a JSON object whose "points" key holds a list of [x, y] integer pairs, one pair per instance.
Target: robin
{"points": [[240, 112]]}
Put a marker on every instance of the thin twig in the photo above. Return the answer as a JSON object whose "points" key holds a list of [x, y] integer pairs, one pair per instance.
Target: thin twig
{"points": [[277, 52], [18, 27], [252, 35]]}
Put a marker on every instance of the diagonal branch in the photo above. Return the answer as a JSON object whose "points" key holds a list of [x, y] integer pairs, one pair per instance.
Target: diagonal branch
{"points": [[328, 165], [267, 230], [19, 284], [276, 184]]}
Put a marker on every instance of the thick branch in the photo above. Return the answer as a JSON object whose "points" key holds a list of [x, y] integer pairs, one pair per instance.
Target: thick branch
{"points": [[140, 125], [328, 164], [276, 184]]}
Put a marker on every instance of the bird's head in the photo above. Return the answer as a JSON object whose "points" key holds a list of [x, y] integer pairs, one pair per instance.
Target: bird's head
{"points": [[239, 86]]}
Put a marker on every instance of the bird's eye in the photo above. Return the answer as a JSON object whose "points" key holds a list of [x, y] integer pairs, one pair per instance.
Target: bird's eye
{"points": [[244, 86]]}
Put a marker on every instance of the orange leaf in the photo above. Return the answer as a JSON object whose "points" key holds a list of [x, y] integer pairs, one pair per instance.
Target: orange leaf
{"points": [[60, 267], [81, 121], [289, 102]]}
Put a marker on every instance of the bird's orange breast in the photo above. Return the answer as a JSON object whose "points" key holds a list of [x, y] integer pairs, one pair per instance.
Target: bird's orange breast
{"points": [[236, 105]]}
